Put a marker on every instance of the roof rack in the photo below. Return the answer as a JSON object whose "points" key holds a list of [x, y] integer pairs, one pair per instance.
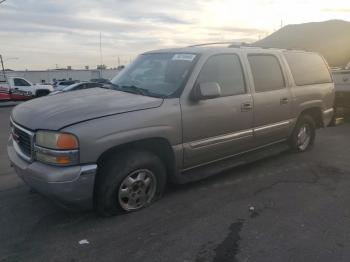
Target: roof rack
{"points": [[213, 43], [242, 44], [245, 45], [229, 44]]}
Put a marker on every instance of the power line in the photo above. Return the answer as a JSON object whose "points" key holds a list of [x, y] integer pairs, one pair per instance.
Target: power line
{"points": [[1, 1]]}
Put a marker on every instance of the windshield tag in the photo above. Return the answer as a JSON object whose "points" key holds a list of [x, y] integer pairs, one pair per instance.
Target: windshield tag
{"points": [[184, 57]]}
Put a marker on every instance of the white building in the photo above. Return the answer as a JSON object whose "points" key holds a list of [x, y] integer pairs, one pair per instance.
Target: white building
{"points": [[50, 76]]}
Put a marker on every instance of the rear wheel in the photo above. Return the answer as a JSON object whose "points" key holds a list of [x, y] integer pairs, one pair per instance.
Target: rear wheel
{"points": [[303, 136], [40, 93], [128, 182]]}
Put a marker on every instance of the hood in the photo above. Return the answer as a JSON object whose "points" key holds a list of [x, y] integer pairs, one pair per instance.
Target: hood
{"points": [[57, 111]]}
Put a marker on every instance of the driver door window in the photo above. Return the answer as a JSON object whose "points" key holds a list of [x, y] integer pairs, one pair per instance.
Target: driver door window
{"points": [[20, 82], [226, 70]]}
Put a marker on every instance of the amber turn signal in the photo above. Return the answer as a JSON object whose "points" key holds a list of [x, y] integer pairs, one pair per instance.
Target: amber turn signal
{"points": [[66, 141]]}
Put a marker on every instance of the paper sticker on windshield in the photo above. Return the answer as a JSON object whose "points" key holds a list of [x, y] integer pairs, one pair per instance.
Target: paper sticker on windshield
{"points": [[184, 57]]}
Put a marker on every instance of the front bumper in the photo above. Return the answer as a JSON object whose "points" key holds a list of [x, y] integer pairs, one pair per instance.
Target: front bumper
{"points": [[71, 186]]}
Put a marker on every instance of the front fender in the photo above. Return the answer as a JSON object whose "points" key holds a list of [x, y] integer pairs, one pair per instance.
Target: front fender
{"points": [[99, 135]]}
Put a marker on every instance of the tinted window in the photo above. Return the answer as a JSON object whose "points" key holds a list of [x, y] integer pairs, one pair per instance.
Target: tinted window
{"points": [[267, 73], [20, 82], [308, 68], [226, 70]]}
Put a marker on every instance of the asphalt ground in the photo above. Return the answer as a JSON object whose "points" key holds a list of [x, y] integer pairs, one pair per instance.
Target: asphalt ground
{"points": [[288, 207]]}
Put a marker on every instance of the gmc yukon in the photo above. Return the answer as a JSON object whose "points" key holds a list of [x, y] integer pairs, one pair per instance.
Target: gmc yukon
{"points": [[173, 115]]}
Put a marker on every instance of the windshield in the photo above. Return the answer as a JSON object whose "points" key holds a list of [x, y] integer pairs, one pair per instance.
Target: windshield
{"points": [[160, 74]]}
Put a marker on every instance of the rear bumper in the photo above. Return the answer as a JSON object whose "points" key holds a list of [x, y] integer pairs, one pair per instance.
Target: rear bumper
{"points": [[71, 186]]}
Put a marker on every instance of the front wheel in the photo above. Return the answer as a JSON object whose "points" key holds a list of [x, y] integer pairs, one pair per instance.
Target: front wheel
{"points": [[304, 133], [129, 181]]}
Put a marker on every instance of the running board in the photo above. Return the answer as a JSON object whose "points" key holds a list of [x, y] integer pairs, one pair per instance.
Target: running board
{"points": [[229, 163]]}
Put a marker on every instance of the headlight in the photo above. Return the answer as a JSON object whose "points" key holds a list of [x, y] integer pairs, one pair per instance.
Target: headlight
{"points": [[55, 140], [56, 148]]}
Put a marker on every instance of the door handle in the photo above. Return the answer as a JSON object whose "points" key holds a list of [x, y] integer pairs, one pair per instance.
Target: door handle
{"points": [[245, 107], [284, 100]]}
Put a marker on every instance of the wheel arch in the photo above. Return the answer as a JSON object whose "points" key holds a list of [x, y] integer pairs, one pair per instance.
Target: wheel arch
{"points": [[315, 113], [159, 146]]}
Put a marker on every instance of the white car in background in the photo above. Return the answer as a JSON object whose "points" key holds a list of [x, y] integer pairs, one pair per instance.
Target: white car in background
{"points": [[77, 86], [17, 88], [59, 85]]}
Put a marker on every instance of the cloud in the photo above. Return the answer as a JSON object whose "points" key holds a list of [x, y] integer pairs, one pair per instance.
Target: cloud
{"points": [[43, 33], [336, 10]]}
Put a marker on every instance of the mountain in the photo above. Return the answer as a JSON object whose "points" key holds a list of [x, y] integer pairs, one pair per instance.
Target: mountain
{"points": [[329, 38]]}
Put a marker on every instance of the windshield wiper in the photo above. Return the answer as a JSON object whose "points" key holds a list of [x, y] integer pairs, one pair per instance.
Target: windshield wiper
{"points": [[135, 90]]}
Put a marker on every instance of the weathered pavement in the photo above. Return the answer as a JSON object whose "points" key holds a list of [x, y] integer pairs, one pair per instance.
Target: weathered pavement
{"points": [[301, 213]]}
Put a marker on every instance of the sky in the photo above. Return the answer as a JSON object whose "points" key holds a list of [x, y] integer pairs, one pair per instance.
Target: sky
{"points": [[43, 34]]}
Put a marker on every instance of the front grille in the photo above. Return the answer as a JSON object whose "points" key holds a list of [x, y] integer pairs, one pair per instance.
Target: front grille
{"points": [[23, 139]]}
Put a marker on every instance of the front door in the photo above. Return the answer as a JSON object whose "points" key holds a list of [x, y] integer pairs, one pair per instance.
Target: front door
{"points": [[217, 128], [272, 99]]}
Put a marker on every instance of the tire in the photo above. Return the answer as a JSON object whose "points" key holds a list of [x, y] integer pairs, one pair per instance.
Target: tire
{"points": [[41, 93], [115, 194], [296, 140]]}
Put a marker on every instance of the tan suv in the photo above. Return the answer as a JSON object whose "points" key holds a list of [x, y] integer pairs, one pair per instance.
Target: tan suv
{"points": [[173, 115]]}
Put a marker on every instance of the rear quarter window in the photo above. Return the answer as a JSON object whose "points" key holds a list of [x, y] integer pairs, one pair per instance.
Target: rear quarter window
{"points": [[308, 68]]}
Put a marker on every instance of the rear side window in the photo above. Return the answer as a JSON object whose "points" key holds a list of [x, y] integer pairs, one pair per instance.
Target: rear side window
{"points": [[226, 70], [267, 72], [308, 68]]}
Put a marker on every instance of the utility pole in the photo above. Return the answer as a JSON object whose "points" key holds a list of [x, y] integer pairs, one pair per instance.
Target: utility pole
{"points": [[3, 68], [101, 58]]}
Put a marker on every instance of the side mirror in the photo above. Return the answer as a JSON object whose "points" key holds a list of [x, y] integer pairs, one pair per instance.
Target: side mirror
{"points": [[207, 90]]}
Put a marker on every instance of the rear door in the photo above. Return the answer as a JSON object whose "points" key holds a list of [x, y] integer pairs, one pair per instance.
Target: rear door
{"points": [[272, 98], [220, 127]]}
